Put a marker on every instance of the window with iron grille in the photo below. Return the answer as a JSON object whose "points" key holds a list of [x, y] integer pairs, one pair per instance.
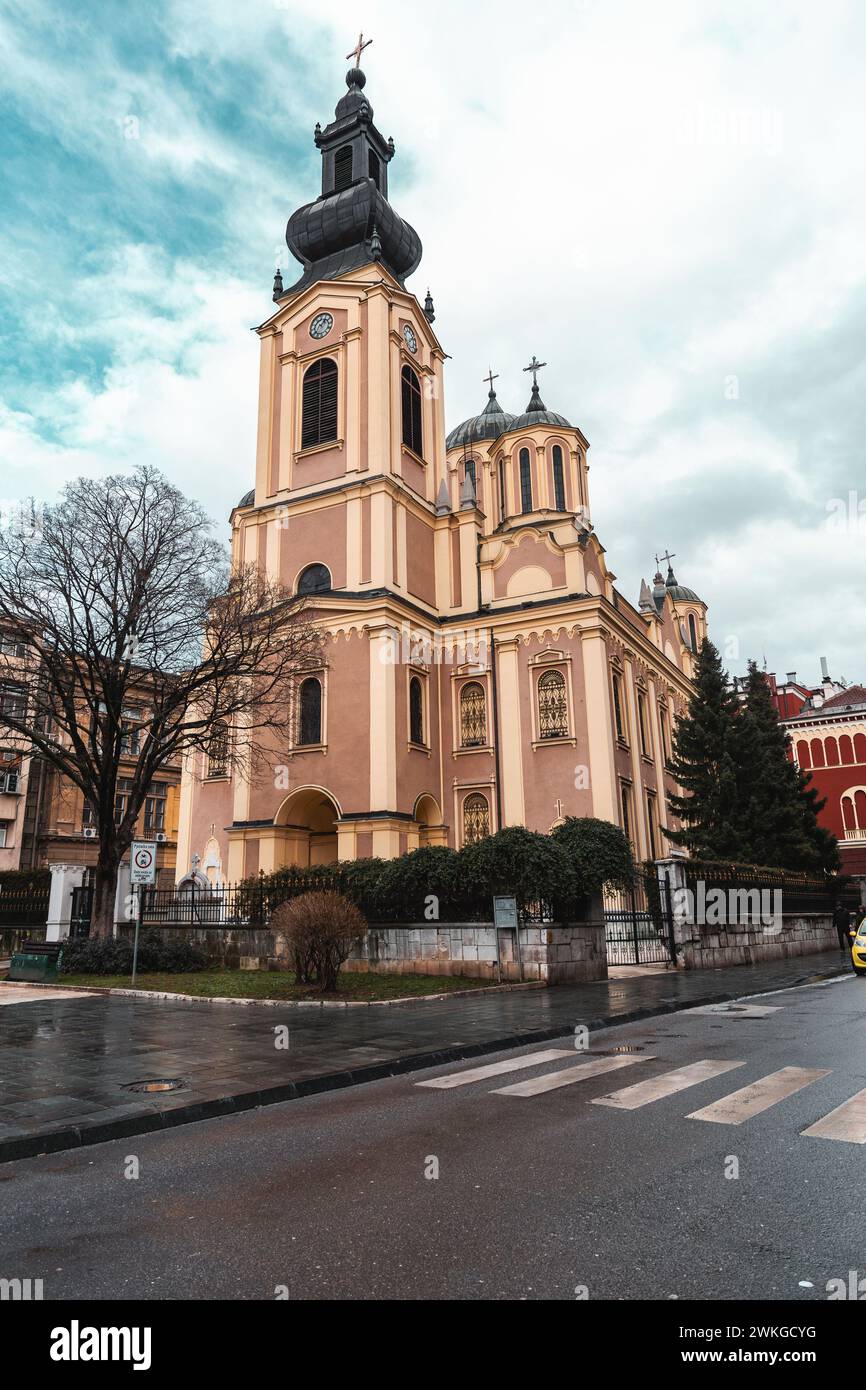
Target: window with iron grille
{"points": [[416, 711], [411, 401], [525, 481], [342, 168], [319, 404], [310, 711], [552, 706], [473, 715], [476, 818], [218, 750]]}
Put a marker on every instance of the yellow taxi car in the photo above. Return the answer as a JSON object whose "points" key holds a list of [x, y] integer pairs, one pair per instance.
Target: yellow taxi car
{"points": [[858, 949]]}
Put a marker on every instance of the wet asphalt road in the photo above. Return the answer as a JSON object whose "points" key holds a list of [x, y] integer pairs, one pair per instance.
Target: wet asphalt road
{"points": [[536, 1196]]}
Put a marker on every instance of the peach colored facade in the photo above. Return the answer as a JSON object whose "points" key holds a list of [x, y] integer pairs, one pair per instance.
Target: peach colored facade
{"points": [[480, 669]]}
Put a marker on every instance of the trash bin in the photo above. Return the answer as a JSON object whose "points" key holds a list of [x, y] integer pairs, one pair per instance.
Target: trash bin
{"points": [[37, 962]]}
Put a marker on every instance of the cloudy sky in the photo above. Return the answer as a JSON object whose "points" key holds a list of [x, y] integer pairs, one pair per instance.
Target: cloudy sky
{"points": [[666, 203]]}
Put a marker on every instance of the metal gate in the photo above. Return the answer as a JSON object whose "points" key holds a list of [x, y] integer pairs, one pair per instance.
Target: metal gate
{"points": [[637, 932], [82, 909]]}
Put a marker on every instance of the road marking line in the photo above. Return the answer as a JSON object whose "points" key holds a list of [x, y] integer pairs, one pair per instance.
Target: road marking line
{"points": [[463, 1078], [751, 1100], [569, 1075], [847, 1122], [643, 1092]]}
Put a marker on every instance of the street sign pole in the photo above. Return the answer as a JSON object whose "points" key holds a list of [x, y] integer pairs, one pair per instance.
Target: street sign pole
{"points": [[142, 872], [139, 914]]}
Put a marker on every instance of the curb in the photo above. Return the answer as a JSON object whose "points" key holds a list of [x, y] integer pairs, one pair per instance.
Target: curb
{"points": [[281, 1003], [75, 1136]]}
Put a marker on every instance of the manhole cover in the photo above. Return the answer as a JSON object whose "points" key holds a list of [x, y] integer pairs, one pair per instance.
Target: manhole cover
{"points": [[163, 1084]]}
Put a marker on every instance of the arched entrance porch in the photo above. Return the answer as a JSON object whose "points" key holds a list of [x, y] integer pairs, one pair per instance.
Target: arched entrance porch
{"points": [[307, 828]]}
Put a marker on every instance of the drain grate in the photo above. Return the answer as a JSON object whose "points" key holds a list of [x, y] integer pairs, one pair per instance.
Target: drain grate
{"points": [[623, 1047], [163, 1083]]}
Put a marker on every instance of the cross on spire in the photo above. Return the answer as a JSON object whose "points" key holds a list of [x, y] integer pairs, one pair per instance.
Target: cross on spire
{"points": [[665, 559], [534, 367], [490, 378], [359, 49]]}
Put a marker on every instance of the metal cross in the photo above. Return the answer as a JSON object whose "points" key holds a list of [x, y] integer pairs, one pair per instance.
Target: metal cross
{"points": [[534, 367], [490, 378], [558, 805], [662, 559], [359, 49]]}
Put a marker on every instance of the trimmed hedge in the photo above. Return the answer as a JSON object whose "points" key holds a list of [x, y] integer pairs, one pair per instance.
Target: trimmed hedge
{"points": [[112, 955]]}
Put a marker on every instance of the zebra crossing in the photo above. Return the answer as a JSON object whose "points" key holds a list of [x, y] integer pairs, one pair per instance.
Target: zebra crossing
{"points": [[846, 1123]]}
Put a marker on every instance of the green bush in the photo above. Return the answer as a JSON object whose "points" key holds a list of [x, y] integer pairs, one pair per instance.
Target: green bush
{"points": [[599, 853], [110, 955], [405, 884], [533, 868]]}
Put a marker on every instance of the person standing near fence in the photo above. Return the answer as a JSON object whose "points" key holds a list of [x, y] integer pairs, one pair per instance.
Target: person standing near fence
{"points": [[842, 923]]}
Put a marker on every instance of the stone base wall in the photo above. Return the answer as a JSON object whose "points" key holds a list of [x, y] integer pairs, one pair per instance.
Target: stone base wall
{"points": [[706, 946], [550, 954]]}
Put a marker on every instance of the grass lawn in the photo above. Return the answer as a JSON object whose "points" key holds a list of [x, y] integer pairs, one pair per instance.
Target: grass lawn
{"points": [[280, 984]]}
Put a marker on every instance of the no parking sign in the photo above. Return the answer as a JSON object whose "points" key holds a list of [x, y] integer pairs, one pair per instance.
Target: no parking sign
{"points": [[142, 862]]}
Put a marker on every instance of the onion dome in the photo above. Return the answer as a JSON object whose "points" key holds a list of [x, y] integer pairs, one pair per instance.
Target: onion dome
{"points": [[490, 424], [537, 413], [248, 498], [351, 223], [679, 590]]}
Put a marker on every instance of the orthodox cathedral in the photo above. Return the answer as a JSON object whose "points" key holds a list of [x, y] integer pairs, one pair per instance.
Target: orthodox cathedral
{"points": [[480, 668]]}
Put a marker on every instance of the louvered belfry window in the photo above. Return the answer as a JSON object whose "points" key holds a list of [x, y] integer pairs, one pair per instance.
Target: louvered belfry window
{"points": [[473, 716], [476, 818], [319, 404], [412, 411], [342, 168], [525, 481], [552, 706], [558, 479]]}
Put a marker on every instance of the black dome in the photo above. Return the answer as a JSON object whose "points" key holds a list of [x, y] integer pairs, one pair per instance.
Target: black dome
{"points": [[536, 413], [248, 498], [490, 424]]}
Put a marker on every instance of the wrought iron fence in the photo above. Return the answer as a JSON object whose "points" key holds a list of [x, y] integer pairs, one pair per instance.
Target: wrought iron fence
{"points": [[23, 907], [636, 928]]}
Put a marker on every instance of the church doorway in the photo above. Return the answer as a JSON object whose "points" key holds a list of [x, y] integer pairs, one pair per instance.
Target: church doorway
{"points": [[308, 819]]}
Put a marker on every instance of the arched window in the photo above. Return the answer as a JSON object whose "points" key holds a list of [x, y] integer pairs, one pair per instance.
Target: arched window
{"points": [[804, 757], [315, 579], [416, 711], [642, 723], [319, 404], [693, 632], [342, 168], [218, 750], [860, 748], [651, 824], [473, 715], [626, 809], [310, 711], [831, 748], [846, 749], [502, 502], [558, 479], [619, 723], [373, 167], [666, 742], [411, 399], [476, 818], [552, 706], [818, 759], [469, 472], [525, 481]]}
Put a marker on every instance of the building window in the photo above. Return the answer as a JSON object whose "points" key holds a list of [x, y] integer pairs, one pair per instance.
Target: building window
{"points": [[130, 733], [416, 711], [525, 481], [651, 825], [13, 701], [617, 708], [641, 723], [122, 788], [666, 743], [373, 167], [342, 168], [218, 750], [310, 711], [88, 816], [502, 490], [315, 579], [10, 779], [319, 404], [411, 399], [552, 706], [558, 479], [469, 472], [154, 808], [473, 715], [693, 632], [626, 810], [3, 829], [476, 818]]}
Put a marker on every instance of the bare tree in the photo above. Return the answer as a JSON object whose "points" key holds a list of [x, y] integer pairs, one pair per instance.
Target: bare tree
{"points": [[119, 597]]}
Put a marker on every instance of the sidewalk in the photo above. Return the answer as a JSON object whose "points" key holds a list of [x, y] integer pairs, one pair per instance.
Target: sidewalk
{"points": [[65, 1062]]}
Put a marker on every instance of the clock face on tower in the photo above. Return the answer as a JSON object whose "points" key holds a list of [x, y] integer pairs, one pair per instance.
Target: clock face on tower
{"points": [[321, 326], [410, 339]]}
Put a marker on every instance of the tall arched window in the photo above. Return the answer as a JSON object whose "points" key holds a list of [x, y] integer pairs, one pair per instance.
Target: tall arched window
{"points": [[473, 715], [373, 167], [558, 479], [411, 400], [315, 579], [469, 472], [218, 750], [476, 818], [416, 711], [552, 706], [502, 502], [319, 404], [619, 723], [342, 168], [310, 711], [693, 632], [525, 481]]}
